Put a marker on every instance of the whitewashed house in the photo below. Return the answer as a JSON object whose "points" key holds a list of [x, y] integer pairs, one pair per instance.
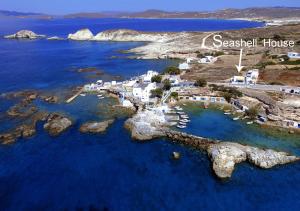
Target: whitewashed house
{"points": [[174, 79], [207, 60], [147, 77], [252, 76], [143, 91], [293, 55], [237, 80]]}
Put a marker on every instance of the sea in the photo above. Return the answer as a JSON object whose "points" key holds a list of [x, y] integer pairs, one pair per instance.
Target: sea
{"points": [[111, 171]]}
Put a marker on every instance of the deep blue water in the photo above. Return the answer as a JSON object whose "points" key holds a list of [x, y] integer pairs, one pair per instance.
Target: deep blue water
{"points": [[111, 171]]}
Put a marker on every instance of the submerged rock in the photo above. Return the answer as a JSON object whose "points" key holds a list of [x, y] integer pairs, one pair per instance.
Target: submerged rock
{"points": [[83, 34], [95, 127], [24, 34], [55, 38], [7, 138], [56, 124]]}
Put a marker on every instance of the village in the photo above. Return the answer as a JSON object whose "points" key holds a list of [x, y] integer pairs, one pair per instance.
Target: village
{"points": [[167, 90]]}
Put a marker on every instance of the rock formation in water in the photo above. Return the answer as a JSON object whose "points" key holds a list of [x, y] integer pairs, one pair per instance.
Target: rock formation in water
{"points": [[56, 124], [146, 125], [225, 155], [24, 34], [55, 38], [81, 35], [95, 127]]}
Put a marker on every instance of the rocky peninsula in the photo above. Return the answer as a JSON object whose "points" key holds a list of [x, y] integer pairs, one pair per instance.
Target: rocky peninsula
{"points": [[147, 125]]}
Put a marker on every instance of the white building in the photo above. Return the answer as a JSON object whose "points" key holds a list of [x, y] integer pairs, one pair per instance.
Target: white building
{"points": [[252, 76], [147, 77], [184, 66], [143, 91], [207, 60], [174, 79], [237, 80], [294, 55]]}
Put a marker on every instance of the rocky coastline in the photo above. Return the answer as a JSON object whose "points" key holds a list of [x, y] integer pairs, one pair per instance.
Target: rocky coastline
{"points": [[148, 125]]}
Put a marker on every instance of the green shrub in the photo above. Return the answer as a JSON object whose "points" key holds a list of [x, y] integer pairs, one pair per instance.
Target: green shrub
{"points": [[291, 62], [172, 70], [174, 95], [167, 84], [157, 92], [156, 78]]}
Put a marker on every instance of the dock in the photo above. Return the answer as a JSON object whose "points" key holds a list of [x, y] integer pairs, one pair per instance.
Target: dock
{"points": [[74, 96]]}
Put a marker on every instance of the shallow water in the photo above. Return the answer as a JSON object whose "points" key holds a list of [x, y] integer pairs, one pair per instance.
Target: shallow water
{"points": [[111, 171]]}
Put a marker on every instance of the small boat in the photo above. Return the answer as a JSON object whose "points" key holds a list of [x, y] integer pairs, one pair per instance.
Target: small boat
{"points": [[236, 118], [100, 98], [184, 117], [99, 95], [180, 112], [227, 113], [181, 126], [184, 104], [250, 123], [82, 95], [178, 108], [185, 120]]}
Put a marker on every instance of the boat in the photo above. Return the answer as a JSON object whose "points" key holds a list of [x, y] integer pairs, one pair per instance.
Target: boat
{"points": [[99, 95], [181, 126], [185, 120], [227, 113], [236, 118], [250, 123], [178, 108], [180, 112], [182, 123], [184, 117], [82, 95], [100, 98]]}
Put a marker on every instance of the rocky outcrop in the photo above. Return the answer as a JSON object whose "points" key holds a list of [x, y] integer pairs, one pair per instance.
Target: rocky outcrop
{"points": [[57, 124], [26, 130], [83, 34], [125, 35], [24, 34], [225, 155], [55, 38], [146, 125], [95, 127]]}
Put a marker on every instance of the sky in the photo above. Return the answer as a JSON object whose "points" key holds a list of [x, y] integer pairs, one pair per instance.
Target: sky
{"points": [[72, 6]]}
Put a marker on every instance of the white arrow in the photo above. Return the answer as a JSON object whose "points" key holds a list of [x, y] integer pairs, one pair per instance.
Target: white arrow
{"points": [[240, 67]]}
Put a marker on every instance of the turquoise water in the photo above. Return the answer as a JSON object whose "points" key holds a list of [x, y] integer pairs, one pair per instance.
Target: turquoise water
{"points": [[111, 171]]}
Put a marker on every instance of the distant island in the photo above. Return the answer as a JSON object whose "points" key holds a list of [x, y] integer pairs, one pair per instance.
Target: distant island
{"points": [[260, 13]]}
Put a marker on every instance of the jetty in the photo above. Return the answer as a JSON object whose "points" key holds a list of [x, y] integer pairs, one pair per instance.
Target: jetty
{"points": [[190, 140], [74, 96]]}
